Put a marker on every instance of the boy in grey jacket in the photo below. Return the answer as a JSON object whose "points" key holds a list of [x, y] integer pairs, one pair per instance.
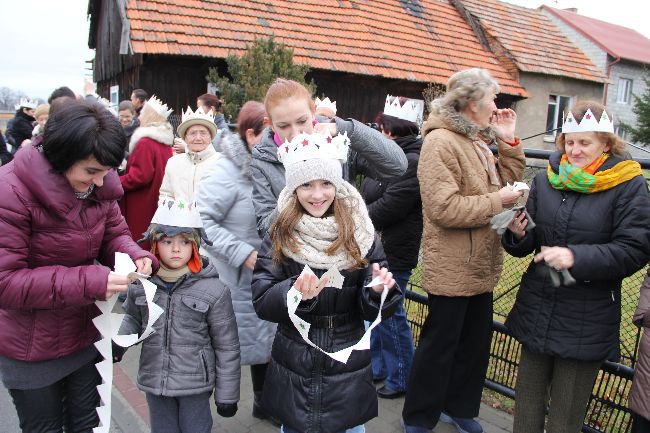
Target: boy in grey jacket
{"points": [[195, 349]]}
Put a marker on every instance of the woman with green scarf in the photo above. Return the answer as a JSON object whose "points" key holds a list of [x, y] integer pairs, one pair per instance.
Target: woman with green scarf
{"points": [[592, 211]]}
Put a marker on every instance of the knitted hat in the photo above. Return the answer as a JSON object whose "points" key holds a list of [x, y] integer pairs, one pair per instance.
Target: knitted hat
{"points": [[314, 156], [174, 217], [198, 117]]}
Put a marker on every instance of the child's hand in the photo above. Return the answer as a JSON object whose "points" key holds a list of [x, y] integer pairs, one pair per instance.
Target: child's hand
{"points": [[386, 277], [307, 284], [227, 410]]}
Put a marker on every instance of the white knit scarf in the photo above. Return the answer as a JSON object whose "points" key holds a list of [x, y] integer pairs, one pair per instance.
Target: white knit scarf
{"points": [[315, 235]]}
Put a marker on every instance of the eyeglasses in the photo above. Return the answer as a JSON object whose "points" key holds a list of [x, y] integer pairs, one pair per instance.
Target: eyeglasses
{"points": [[200, 133]]}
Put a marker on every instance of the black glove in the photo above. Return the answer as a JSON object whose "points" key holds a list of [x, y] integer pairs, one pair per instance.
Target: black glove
{"points": [[227, 410], [118, 352]]}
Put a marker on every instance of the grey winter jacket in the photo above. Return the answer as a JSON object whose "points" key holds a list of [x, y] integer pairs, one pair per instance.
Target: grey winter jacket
{"points": [[195, 348], [226, 207], [385, 159]]}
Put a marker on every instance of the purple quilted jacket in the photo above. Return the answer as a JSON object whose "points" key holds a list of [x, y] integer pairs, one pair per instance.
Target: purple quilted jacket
{"points": [[49, 241]]}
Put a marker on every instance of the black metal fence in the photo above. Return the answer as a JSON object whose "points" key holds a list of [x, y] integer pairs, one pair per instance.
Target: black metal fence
{"points": [[607, 410]]}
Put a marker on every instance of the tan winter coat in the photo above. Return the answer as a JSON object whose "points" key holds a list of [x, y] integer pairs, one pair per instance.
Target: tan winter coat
{"points": [[461, 253], [639, 400]]}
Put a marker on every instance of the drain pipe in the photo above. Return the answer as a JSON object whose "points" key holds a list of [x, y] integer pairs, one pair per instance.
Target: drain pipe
{"points": [[609, 73]]}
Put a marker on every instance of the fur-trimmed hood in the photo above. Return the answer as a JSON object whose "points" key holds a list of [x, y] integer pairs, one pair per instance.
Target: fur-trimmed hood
{"points": [[161, 132], [235, 149], [446, 117]]}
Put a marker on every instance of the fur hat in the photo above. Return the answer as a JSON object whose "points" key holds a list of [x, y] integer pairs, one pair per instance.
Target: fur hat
{"points": [[314, 156]]}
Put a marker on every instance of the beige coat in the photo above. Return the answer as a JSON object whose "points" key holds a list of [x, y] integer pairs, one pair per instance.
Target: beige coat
{"points": [[461, 253], [184, 171], [639, 400]]}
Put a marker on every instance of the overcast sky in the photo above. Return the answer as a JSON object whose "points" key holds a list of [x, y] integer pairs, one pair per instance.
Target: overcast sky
{"points": [[46, 41]]}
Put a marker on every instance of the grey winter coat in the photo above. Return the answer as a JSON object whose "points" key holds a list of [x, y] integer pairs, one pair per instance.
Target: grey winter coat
{"points": [[226, 207], [195, 348], [384, 157]]}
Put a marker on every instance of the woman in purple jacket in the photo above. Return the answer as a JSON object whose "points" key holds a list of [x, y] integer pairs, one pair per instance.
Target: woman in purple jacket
{"points": [[61, 227]]}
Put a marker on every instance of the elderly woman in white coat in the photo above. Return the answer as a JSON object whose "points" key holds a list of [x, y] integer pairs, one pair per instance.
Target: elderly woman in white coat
{"points": [[184, 171], [226, 207]]}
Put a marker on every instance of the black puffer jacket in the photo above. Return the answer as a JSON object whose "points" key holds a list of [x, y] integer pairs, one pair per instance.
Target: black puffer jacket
{"points": [[396, 208], [609, 235], [19, 129], [304, 388]]}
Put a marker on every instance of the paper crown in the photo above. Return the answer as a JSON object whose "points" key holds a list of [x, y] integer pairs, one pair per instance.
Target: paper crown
{"points": [[410, 111], [314, 146], [198, 117], [158, 106], [178, 213], [588, 123], [26, 103], [326, 103]]}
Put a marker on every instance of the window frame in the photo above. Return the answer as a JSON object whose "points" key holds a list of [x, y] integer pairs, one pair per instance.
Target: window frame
{"points": [[627, 96], [557, 116]]}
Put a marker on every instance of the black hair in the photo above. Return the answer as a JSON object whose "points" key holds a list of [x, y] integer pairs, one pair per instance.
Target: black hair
{"points": [[140, 94], [61, 92], [396, 126], [79, 130]]}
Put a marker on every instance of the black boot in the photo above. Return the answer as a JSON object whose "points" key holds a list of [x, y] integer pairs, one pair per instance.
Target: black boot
{"points": [[260, 413]]}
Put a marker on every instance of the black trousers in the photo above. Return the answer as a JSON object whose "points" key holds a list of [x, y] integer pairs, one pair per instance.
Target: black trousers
{"points": [[68, 403], [640, 424], [451, 359]]}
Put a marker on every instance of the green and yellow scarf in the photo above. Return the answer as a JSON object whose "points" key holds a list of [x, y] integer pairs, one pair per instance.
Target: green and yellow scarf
{"points": [[585, 180]]}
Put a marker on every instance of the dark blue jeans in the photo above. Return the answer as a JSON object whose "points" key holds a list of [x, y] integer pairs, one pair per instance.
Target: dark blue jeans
{"points": [[391, 344]]}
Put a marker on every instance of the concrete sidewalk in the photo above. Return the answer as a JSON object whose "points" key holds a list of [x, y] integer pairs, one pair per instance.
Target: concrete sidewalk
{"points": [[130, 414]]}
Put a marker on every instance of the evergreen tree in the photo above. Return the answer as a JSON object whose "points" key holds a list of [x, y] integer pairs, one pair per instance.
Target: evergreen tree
{"points": [[641, 134], [251, 74]]}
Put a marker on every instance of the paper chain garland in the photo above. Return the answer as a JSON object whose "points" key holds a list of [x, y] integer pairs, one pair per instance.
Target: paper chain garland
{"points": [[108, 324], [335, 280]]}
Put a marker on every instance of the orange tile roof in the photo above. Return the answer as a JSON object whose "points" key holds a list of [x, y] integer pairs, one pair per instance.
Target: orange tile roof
{"points": [[418, 40], [534, 42]]}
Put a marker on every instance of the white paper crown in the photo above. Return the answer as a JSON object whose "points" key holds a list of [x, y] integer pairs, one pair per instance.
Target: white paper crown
{"points": [[314, 146], [326, 103], [177, 213], [198, 114], [26, 103], [158, 106], [588, 123], [409, 111]]}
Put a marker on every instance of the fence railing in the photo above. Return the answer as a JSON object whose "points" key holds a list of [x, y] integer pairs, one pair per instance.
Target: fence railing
{"points": [[607, 410]]}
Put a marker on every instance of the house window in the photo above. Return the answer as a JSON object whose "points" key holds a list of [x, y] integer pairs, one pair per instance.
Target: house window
{"points": [[115, 96], [624, 94], [557, 105], [621, 133]]}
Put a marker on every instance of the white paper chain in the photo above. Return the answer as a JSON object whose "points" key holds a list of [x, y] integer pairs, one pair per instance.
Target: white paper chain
{"points": [[108, 324], [294, 297]]}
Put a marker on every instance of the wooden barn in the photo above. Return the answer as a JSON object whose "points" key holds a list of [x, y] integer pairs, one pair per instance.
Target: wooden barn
{"points": [[358, 50]]}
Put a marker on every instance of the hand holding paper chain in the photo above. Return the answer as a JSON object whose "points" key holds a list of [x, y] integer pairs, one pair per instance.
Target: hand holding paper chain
{"points": [[294, 297], [108, 324]]}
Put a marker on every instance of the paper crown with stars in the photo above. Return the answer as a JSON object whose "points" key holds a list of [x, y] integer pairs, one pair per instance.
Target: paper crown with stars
{"points": [[410, 111], [158, 106], [175, 216], [314, 156], [588, 123], [26, 103], [326, 103], [198, 117]]}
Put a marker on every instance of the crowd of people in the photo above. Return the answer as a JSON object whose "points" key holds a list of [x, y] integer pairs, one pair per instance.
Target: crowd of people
{"points": [[265, 254]]}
